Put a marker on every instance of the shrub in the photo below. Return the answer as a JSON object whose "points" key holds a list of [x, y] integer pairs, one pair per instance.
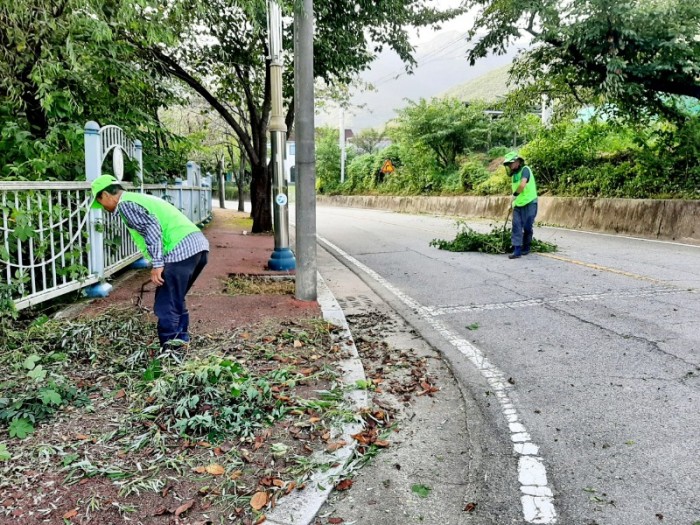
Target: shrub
{"points": [[472, 173]]}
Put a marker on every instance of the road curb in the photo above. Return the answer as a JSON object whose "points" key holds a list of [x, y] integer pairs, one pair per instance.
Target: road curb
{"points": [[300, 508]]}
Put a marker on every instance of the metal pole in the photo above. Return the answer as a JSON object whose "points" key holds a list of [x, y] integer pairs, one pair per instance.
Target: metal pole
{"points": [[341, 140], [282, 257], [306, 280], [222, 184]]}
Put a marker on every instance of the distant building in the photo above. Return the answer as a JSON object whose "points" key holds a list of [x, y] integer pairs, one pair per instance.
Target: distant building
{"points": [[290, 156]]}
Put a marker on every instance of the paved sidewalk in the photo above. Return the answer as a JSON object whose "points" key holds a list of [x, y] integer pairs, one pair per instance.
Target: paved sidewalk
{"points": [[233, 251]]}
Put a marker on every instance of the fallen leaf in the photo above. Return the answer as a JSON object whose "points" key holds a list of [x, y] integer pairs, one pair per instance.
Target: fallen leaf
{"points": [[199, 470], [298, 344], [266, 481], [278, 482], [236, 474], [422, 490], [259, 500], [82, 437], [361, 437], [344, 485], [382, 443], [70, 514], [292, 485], [217, 451], [120, 394], [470, 507], [306, 371], [161, 511], [313, 420], [245, 336], [335, 521], [184, 508], [332, 447], [260, 520], [215, 469], [204, 444]]}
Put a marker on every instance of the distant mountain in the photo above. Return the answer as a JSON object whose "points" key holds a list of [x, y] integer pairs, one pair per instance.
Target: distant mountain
{"points": [[489, 87], [441, 64]]}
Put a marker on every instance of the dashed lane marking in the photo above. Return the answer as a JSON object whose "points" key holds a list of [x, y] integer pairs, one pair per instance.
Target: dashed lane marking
{"points": [[536, 497], [446, 310]]}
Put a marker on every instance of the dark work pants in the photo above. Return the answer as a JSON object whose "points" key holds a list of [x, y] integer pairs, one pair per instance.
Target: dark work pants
{"points": [[523, 220], [170, 306]]}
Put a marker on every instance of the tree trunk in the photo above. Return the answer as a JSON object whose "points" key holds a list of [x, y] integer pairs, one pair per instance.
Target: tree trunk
{"points": [[36, 117], [261, 198]]}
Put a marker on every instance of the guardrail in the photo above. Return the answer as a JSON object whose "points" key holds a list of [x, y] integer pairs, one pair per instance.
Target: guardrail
{"points": [[50, 246]]}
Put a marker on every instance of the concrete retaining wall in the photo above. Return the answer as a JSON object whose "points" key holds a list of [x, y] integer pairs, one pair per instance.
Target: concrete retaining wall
{"points": [[677, 220]]}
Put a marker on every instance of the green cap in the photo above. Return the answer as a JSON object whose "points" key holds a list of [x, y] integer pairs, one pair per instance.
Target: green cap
{"points": [[511, 156], [99, 184]]}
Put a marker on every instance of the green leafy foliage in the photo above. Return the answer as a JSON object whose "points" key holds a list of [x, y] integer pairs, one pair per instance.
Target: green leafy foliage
{"points": [[421, 490], [4, 452], [609, 159], [63, 63], [496, 241], [447, 127], [20, 428], [36, 358], [211, 398], [634, 55], [327, 161]]}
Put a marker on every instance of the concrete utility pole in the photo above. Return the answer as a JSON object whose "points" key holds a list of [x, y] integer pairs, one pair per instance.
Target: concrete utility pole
{"points": [[282, 257], [341, 141], [305, 157]]}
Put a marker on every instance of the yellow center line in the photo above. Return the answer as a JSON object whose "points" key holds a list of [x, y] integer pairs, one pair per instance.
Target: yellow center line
{"points": [[605, 269]]}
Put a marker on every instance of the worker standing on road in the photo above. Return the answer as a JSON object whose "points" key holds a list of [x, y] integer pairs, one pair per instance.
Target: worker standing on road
{"points": [[524, 204], [174, 245]]}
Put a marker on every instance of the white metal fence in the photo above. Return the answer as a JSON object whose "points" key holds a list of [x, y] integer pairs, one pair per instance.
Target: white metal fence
{"points": [[52, 243], [45, 245]]}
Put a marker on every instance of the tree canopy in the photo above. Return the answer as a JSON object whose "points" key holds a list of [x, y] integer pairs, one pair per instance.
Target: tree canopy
{"points": [[221, 48], [635, 55], [61, 64], [447, 127]]}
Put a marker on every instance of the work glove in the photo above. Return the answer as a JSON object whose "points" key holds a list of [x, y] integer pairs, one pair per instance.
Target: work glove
{"points": [[512, 201]]}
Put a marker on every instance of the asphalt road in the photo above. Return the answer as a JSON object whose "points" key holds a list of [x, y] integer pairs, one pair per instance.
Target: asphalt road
{"points": [[584, 365]]}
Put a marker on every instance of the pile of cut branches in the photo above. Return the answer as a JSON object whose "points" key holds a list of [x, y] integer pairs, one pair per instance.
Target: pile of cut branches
{"points": [[496, 241]]}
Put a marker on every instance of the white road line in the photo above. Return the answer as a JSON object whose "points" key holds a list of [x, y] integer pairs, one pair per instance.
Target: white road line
{"points": [[536, 496], [446, 310]]}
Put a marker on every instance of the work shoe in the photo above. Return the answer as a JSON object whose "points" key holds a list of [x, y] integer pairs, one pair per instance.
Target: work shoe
{"points": [[517, 252], [514, 256], [175, 349]]}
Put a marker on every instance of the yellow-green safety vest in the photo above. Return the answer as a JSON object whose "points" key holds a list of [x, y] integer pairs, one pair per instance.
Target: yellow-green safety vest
{"points": [[174, 225], [529, 193]]}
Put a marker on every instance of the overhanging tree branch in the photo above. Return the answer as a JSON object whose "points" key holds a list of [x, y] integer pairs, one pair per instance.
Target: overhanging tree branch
{"points": [[177, 71]]}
